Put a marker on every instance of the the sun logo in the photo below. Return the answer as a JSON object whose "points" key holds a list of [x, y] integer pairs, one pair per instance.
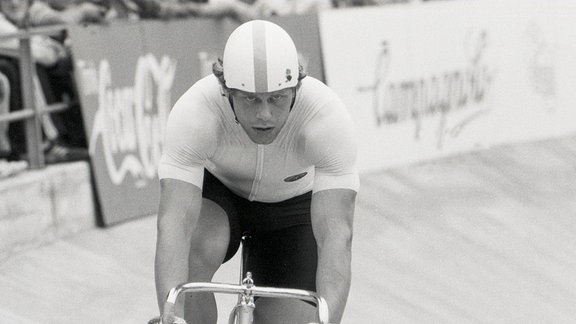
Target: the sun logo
{"points": [[288, 75]]}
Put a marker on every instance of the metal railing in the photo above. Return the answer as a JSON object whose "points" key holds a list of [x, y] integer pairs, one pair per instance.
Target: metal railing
{"points": [[31, 112]]}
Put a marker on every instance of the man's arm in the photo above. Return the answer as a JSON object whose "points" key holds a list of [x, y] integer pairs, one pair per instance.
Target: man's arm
{"points": [[180, 204], [332, 222]]}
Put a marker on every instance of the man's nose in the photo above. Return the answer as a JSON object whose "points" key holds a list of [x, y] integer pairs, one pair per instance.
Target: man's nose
{"points": [[264, 112]]}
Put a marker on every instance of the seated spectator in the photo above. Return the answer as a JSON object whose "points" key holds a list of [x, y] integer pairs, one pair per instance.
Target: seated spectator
{"points": [[237, 10], [167, 9], [266, 8], [50, 12], [68, 12], [363, 3], [63, 132], [158, 9]]}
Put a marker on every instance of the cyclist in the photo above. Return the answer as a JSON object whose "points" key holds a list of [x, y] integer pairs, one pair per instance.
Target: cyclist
{"points": [[260, 149]]}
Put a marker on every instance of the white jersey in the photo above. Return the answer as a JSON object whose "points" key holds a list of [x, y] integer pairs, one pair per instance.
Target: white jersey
{"points": [[315, 150]]}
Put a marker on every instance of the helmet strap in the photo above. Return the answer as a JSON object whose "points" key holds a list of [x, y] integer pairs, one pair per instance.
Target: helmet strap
{"points": [[234, 111]]}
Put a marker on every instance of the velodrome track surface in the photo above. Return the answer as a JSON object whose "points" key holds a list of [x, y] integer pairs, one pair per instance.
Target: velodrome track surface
{"points": [[485, 237]]}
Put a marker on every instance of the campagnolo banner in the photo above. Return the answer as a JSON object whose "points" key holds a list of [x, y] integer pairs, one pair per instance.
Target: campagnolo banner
{"points": [[440, 78], [412, 100]]}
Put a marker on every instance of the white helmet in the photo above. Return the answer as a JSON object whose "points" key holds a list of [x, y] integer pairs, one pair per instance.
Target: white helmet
{"points": [[260, 56]]}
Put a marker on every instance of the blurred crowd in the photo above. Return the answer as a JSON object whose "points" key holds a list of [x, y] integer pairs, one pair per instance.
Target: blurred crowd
{"points": [[63, 132]]}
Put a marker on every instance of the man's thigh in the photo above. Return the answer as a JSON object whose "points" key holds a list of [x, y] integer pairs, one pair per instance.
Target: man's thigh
{"points": [[285, 258], [210, 240], [283, 311], [220, 203]]}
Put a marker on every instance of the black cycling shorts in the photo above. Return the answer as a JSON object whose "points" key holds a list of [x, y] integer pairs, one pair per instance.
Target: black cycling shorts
{"points": [[279, 248]]}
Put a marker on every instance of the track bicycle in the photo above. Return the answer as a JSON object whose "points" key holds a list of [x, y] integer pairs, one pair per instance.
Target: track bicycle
{"points": [[243, 311]]}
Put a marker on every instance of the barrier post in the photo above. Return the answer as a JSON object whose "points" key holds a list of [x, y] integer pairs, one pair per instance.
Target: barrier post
{"points": [[33, 125]]}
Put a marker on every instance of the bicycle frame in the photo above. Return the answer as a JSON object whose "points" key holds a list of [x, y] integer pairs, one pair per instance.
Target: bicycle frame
{"points": [[247, 291]]}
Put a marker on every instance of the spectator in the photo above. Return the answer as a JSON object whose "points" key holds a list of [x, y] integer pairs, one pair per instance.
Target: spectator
{"points": [[167, 9], [363, 3], [50, 12], [233, 9], [122, 9], [266, 8], [63, 132], [153, 9]]}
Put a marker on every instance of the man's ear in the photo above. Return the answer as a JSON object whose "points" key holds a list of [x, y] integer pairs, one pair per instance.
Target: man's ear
{"points": [[224, 92]]}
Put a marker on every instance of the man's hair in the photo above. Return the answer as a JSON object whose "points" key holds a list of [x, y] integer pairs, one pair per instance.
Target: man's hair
{"points": [[218, 71]]}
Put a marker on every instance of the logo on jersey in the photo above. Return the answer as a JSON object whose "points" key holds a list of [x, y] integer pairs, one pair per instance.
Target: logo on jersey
{"points": [[296, 177]]}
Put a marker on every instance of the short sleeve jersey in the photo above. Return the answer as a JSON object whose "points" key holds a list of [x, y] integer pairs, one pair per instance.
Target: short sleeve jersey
{"points": [[315, 150]]}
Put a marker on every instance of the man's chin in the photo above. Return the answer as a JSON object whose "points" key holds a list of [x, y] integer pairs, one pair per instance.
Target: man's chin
{"points": [[261, 137], [262, 140]]}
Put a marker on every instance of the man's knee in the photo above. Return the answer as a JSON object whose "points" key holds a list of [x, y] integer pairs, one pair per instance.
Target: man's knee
{"points": [[210, 239]]}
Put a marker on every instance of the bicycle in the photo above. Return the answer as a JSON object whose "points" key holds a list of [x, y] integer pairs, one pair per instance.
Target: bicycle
{"points": [[243, 311]]}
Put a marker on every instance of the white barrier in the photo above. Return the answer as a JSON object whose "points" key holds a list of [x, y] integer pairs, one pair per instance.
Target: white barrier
{"points": [[434, 79]]}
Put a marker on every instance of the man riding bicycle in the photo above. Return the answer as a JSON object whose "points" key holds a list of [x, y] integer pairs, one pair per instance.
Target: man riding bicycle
{"points": [[258, 149]]}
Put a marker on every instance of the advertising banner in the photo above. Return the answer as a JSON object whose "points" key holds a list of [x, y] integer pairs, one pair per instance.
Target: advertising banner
{"points": [[123, 125], [440, 78], [129, 75], [545, 75]]}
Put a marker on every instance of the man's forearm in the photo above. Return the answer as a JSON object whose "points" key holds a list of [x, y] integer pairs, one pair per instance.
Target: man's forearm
{"points": [[332, 219], [171, 267], [177, 216], [333, 280]]}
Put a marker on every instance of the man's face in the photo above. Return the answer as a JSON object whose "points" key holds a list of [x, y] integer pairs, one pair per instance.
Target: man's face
{"points": [[262, 115]]}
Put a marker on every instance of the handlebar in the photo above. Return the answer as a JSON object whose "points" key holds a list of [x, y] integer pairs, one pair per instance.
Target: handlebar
{"points": [[247, 290]]}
